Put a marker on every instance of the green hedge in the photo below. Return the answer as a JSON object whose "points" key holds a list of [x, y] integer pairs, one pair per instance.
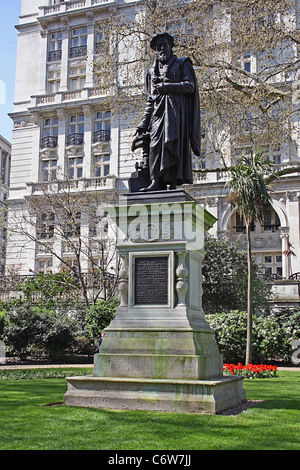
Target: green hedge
{"points": [[29, 328], [272, 335]]}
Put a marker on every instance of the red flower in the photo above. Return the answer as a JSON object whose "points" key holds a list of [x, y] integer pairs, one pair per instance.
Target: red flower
{"points": [[251, 370]]}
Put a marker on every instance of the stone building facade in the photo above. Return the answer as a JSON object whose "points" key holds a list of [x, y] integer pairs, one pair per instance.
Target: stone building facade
{"points": [[63, 131], [5, 152]]}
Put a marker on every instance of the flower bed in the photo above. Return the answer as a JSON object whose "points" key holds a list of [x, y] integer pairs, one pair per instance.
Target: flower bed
{"points": [[251, 371]]}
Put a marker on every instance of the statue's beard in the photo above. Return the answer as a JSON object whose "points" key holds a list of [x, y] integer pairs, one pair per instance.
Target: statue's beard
{"points": [[163, 57]]}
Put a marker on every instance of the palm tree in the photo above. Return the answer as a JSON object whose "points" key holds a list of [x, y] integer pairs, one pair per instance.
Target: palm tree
{"points": [[249, 195]]}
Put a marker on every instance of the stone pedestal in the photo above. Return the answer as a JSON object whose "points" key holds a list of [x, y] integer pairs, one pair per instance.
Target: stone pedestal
{"points": [[159, 352]]}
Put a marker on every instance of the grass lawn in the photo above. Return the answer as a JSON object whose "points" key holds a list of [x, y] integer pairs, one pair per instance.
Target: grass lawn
{"points": [[27, 424]]}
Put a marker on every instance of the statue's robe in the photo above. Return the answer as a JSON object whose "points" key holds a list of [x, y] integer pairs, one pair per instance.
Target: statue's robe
{"points": [[173, 120]]}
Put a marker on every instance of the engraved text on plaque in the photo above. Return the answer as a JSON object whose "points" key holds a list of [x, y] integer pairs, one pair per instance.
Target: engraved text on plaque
{"points": [[151, 280]]}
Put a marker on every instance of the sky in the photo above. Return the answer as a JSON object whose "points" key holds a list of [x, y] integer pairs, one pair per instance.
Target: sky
{"points": [[9, 17]]}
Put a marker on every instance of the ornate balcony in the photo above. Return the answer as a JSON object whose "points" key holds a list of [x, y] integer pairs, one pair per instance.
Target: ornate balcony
{"points": [[78, 51], [54, 55], [101, 136], [49, 142], [71, 5], [75, 139]]}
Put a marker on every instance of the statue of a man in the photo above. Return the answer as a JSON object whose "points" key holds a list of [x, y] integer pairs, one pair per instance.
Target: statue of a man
{"points": [[172, 116]]}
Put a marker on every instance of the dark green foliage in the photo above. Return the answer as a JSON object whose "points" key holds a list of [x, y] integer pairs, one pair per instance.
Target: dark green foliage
{"points": [[272, 335], [49, 288], [99, 316], [2, 321], [225, 278], [34, 329]]}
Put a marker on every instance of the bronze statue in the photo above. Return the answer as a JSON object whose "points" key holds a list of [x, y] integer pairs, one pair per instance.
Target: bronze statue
{"points": [[171, 116]]}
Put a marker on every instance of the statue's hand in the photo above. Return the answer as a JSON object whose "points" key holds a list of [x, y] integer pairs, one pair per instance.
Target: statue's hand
{"points": [[161, 89], [140, 131], [156, 80]]}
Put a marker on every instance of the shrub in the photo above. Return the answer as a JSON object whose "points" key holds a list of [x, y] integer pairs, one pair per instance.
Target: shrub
{"points": [[24, 330], [224, 273], [48, 288], [99, 316], [3, 319], [59, 332], [272, 336], [31, 329], [83, 345]]}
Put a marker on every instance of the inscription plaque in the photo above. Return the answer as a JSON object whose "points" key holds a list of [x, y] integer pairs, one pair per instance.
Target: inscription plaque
{"points": [[151, 280]]}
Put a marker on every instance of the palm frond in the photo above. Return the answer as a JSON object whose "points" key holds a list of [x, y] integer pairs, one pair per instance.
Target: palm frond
{"points": [[249, 194]]}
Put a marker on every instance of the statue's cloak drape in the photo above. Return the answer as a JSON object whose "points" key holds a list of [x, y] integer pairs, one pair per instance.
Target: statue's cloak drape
{"points": [[173, 120]]}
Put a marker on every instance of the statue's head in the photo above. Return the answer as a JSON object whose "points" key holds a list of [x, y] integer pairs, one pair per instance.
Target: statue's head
{"points": [[162, 44]]}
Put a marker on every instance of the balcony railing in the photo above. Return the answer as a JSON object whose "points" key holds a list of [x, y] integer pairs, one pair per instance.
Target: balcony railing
{"points": [[49, 142], [101, 136], [54, 55], [78, 51], [70, 5], [82, 184], [271, 227], [75, 139], [10, 286]]}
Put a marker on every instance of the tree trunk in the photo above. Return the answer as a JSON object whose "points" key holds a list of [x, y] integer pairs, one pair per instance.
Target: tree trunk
{"points": [[249, 299]]}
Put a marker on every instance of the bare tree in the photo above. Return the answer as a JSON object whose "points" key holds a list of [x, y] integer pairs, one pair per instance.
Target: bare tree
{"points": [[71, 227], [246, 60]]}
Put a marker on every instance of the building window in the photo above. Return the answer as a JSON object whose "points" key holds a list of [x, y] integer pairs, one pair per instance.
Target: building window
{"points": [[45, 226], [76, 130], [78, 42], [53, 81], [271, 222], [100, 43], [73, 225], [94, 224], [273, 266], [75, 168], [199, 162], [272, 153], [268, 273], [3, 166], [276, 154], [203, 124], [45, 266], [49, 170], [102, 127], [50, 132], [244, 62], [55, 46], [101, 165], [279, 271], [240, 225], [77, 78]]}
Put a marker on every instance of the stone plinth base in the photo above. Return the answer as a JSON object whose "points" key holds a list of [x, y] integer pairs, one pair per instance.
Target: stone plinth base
{"points": [[159, 352], [178, 354], [185, 396]]}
